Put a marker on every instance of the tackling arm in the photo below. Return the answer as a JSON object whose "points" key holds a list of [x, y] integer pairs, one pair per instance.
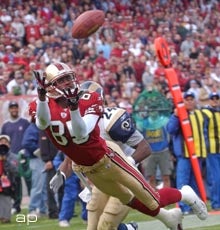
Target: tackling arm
{"points": [[142, 151], [120, 128], [91, 108], [66, 170], [66, 167], [141, 146], [82, 126]]}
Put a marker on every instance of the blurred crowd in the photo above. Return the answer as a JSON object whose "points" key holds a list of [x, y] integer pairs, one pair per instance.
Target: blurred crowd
{"points": [[121, 55]]}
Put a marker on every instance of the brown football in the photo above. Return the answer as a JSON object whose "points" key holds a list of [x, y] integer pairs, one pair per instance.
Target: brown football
{"points": [[87, 23]]}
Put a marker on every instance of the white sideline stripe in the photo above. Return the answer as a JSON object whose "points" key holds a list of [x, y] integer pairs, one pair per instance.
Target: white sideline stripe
{"points": [[190, 221]]}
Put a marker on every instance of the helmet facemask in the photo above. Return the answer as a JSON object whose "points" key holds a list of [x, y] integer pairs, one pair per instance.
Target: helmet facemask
{"points": [[65, 82], [62, 78]]}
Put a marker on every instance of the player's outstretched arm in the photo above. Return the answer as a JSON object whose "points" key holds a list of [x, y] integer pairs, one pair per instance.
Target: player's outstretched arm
{"points": [[142, 151], [81, 126], [43, 111]]}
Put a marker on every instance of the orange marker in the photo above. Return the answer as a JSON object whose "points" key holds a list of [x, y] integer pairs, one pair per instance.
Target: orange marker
{"points": [[163, 54]]}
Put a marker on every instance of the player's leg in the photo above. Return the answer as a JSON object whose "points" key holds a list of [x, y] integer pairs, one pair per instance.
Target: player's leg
{"points": [[95, 208], [167, 195], [128, 176], [107, 177], [115, 176], [113, 214]]}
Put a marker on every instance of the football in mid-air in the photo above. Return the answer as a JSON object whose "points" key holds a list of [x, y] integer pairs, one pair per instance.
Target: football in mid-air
{"points": [[87, 23]]}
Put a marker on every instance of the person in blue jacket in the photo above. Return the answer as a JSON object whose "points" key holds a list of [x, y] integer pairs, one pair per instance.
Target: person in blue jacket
{"points": [[212, 112], [72, 188], [184, 171], [31, 148]]}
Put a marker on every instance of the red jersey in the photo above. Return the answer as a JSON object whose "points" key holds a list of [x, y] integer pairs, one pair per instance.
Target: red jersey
{"points": [[60, 131]]}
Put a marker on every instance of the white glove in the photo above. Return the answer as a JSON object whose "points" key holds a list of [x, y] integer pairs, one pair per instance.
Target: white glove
{"points": [[131, 160], [57, 181]]}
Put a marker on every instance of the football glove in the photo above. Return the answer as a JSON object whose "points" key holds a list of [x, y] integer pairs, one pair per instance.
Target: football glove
{"points": [[72, 97], [57, 181], [132, 161], [42, 85]]}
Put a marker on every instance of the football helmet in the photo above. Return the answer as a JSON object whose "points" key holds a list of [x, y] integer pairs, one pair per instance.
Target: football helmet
{"points": [[61, 77], [92, 86]]}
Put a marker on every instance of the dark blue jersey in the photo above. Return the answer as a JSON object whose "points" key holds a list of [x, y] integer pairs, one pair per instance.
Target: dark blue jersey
{"points": [[15, 130]]}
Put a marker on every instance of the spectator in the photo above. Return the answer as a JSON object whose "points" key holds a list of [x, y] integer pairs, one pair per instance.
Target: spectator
{"points": [[204, 92], [16, 86], [48, 152], [125, 104], [15, 128], [184, 170], [9, 55], [213, 158], [147, 77], [194, 87], [32, 30], [158, 138], [8, 172], [187, 45], [72, 188], [38, 194], [127, 85], [101, 59], [139, 65], [5, 16], [128, 69], [135, 45], [105, 46], [3, 88], [18, 25], [215, 73]]}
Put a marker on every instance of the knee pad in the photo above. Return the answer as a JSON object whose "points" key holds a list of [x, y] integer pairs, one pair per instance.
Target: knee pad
{"points": [[106, 224], [98, 200], [114, 206], [113, 214]]}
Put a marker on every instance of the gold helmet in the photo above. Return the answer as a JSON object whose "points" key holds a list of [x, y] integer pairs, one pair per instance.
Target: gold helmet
{"points": [[92, 86], [61, 77]]}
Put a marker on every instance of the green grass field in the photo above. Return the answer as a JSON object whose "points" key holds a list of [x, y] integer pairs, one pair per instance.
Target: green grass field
{"points": [[78, 224]]}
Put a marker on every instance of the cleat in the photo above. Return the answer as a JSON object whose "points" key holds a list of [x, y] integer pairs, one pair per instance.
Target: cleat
{"points": [[174, 222], [171, 218], [198, 206]]}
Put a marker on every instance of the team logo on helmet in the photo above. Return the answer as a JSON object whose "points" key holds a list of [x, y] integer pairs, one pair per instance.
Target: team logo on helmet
{"points": [[92, 86]]}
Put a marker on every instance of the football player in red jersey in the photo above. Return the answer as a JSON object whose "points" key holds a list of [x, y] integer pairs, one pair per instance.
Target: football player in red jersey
{"points": [[71, 121]]}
